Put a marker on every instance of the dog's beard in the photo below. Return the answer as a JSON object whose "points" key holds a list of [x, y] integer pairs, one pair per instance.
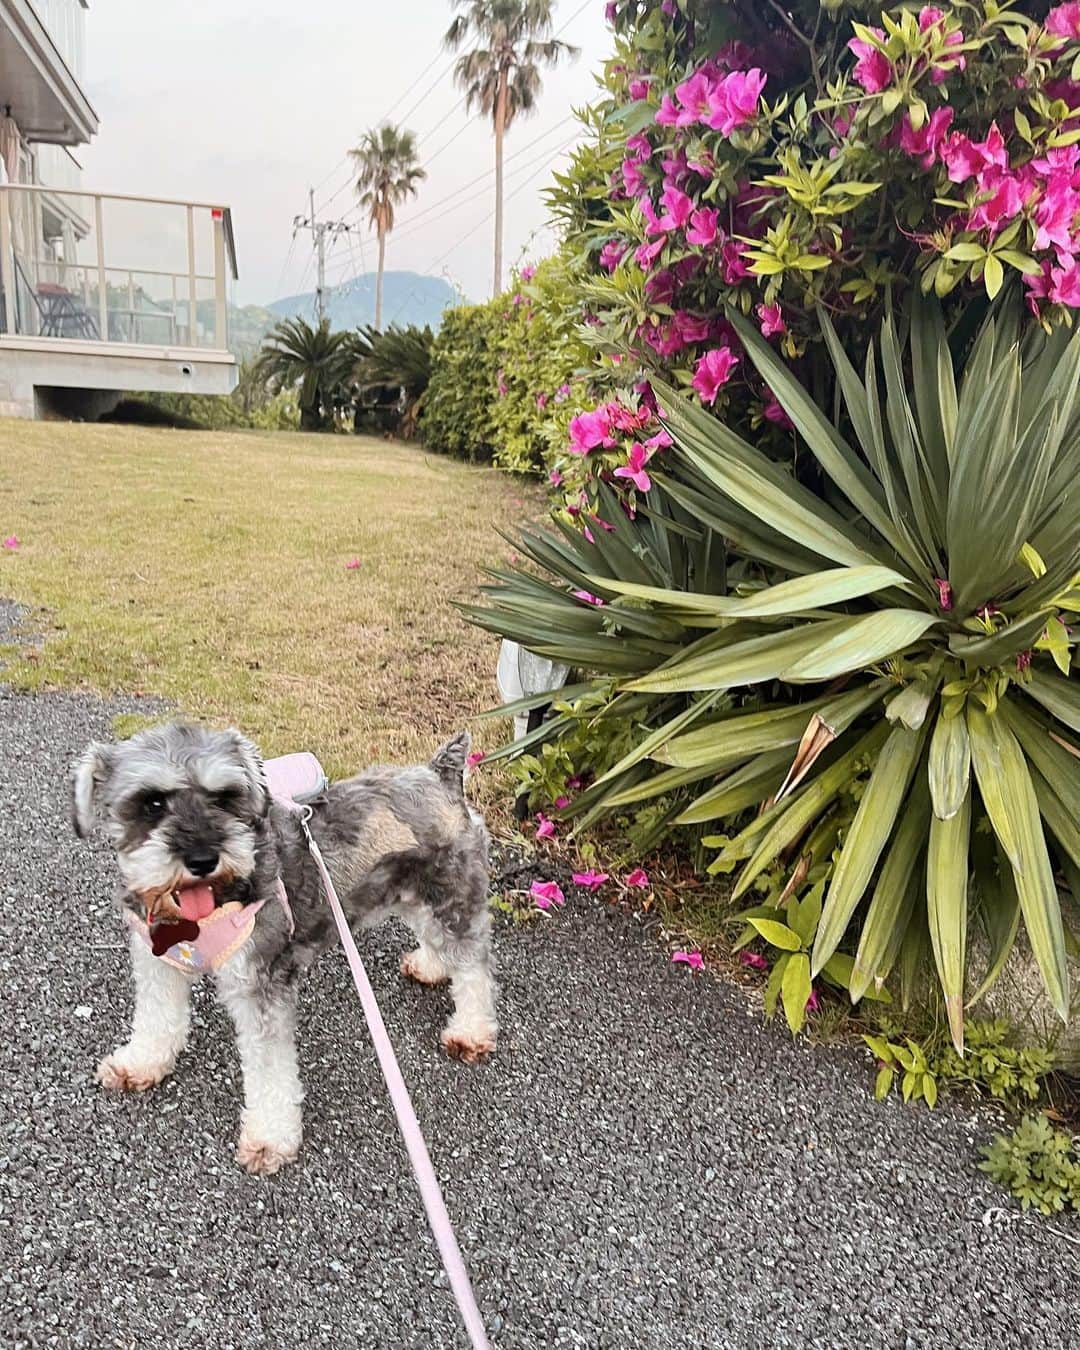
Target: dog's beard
{"points": [[153, 872]]}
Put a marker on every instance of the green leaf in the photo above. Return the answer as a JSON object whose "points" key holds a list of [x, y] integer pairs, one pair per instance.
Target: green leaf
{"points": [[860, 642], [793, 815], [778, 935], [796, 990], [883, 1083], [1059, 697], [993, 275], [1009, 797], [949, 767], [793, 597], [946, 909], [868, 835], [890, 906]]}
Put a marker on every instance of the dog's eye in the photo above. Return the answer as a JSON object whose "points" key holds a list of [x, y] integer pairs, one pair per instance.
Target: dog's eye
{"points": [[153, 805], [228, 798]]}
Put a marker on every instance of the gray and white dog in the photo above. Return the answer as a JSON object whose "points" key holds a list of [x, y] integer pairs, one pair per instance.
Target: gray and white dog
{"points": [[184, 806]]}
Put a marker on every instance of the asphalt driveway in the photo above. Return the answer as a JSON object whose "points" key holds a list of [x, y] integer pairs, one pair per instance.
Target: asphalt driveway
{"points": [[644, 1165]]}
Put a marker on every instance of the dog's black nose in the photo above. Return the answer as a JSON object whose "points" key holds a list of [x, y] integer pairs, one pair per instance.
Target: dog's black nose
{"points": [[201, 862]]}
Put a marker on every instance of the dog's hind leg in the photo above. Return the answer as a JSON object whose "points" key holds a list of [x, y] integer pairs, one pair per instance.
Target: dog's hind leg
{"points": [[424, 964], [159, 1028], [264, 1015], [467, 958]]}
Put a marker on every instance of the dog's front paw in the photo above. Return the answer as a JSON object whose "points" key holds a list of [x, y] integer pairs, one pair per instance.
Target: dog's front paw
{"points": [[262, 1158], [472, 1047], [120, 1072], [423, 966]]}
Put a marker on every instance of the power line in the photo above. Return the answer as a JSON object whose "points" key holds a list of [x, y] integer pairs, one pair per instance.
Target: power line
{"points": [[551, 158]]}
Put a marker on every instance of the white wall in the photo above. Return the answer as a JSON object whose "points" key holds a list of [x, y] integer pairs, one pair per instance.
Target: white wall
{"points": [[66, 23]]}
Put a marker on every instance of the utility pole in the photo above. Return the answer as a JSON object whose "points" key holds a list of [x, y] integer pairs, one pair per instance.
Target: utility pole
{"points": [[320, 231]]}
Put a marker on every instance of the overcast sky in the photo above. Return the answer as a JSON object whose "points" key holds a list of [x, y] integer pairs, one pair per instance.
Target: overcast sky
{"points": [[252, 103]]}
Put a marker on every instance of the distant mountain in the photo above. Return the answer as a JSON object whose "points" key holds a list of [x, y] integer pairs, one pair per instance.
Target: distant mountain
{"points": [[408, 298]]}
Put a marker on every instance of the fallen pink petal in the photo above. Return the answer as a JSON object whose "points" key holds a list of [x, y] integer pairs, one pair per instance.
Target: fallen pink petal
{"points": [[639, 878], [352, 565], [590, 880], [754, 960], [692, 959], [546, 893], [12, 542], [477, 757], [545, 829]]}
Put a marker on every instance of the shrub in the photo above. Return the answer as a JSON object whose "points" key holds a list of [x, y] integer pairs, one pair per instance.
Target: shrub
{"points": [[911, 720], [541, 362], [1037, 1164], [394, 364], [457, 418]]}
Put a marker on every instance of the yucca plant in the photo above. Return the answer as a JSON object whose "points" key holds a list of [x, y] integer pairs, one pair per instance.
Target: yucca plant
{"points": [[903, 628]]}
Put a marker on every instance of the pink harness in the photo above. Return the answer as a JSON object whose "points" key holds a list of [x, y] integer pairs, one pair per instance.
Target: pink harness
{"points": [[294, 780]]}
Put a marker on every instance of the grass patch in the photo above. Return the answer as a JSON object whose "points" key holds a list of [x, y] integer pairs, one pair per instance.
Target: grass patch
{"points": [[208, 568]]}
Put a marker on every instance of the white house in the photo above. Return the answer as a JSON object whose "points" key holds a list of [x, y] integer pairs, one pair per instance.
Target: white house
{"points": [[99, 293]]}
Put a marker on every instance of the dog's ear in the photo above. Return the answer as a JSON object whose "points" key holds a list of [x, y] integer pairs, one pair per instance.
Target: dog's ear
{"points": [[255, 773], [90, 774], [449, 762]]}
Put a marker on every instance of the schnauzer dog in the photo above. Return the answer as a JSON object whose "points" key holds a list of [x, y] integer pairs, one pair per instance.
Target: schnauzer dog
{"points": [[199, 837]]}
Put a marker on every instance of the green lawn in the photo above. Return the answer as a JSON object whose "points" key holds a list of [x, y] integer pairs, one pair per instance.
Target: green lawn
{"points": [[209, 568]]}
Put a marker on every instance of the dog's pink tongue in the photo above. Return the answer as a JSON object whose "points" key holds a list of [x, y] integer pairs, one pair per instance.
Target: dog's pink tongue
{"points": [[196, 902]]}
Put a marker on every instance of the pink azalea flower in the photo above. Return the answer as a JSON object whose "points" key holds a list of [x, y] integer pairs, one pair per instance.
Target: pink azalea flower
{"points": [[702, 229], [652, 220], [691, 327], [695, 97], [634, 468], [773, 412], [1037, 288], [545, 829], [555, 478], [754, 960], [668, 114], [678, 207], [926, 142], [639, 89], [12, 543], [639, 146], [965, 159], [740, 91], [945, 597], [477, 757], [1065, 284], [590, 880], [1055, 213], [633, 179], [661, 441], [528, 272], [350, 566], [1005, 202], [946, 63], [646, 254], [546, 893], [692, 959], [561, 803], [735, 268], [772, 320], [587, 596], [712, 371], [589, 430], [873, 70], [1064, 20], [813, 1003], [612, 254], [639, 878]]}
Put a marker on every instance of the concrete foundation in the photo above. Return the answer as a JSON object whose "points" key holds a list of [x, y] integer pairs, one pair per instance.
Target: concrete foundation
{"points": [[42, 377]]}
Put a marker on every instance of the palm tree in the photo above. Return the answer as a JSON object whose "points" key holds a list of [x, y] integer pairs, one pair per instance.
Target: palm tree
{"points": [[386, 173], [501, 72], [315, 361]]}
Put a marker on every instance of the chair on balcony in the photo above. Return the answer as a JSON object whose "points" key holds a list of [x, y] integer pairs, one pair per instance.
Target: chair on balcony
{"points": [[60, 313]]}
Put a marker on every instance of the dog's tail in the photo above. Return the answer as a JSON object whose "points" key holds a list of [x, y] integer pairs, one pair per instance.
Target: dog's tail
{"points": [[449, 763]]}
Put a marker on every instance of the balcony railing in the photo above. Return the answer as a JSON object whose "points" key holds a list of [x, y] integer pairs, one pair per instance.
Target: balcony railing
{"points": [[105, 268]]}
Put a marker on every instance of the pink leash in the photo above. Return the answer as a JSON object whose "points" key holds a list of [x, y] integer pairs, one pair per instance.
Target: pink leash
{"points": [[426, 1180]]}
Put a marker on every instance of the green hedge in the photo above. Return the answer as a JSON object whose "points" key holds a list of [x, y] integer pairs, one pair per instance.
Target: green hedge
{"points": [[457, 418]]}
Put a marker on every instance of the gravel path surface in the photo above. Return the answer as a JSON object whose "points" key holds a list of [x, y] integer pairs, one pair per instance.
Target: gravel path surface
{"points": [[644, 1165]]}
